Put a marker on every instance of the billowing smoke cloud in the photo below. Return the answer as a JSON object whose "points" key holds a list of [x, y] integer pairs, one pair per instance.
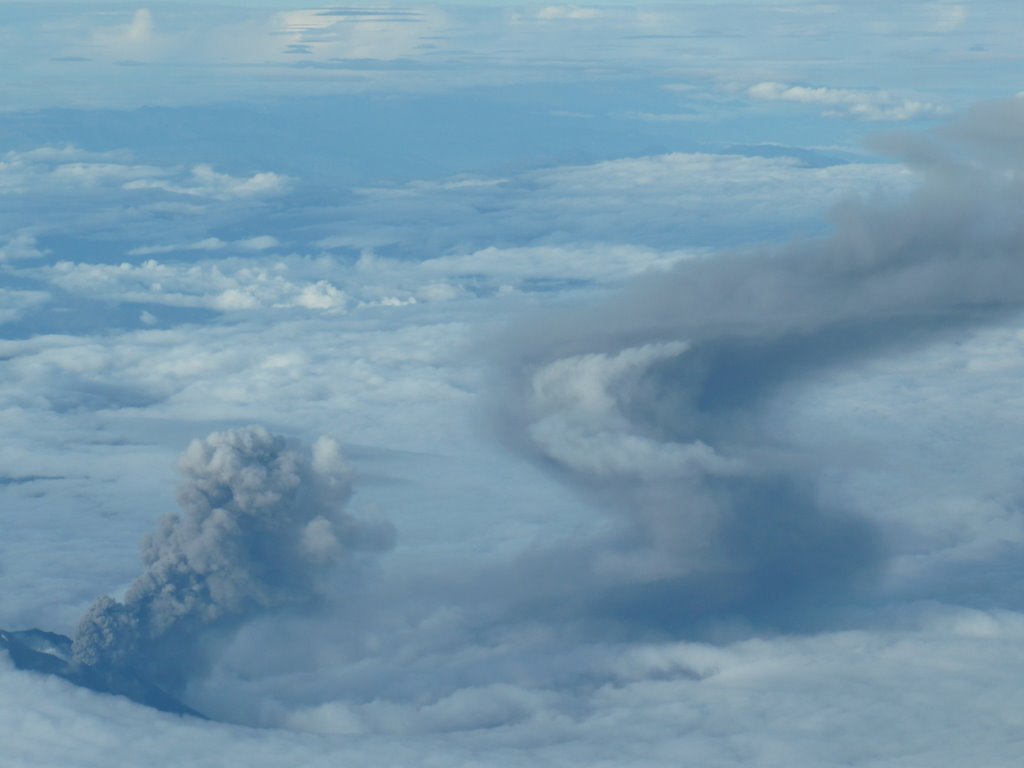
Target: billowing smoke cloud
{"points": [[263, 523], [654, 402]]}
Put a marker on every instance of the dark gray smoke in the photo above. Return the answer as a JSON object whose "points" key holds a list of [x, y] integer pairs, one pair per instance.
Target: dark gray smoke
{"points": [[261, 527], [653, 402]]}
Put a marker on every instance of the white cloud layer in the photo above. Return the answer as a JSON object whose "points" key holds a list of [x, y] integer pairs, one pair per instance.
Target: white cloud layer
{"points": [[787, 701], [395, 673], [667, 491]]}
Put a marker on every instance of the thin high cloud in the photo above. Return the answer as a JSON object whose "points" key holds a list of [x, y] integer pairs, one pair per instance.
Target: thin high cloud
{"points": [[258, 243], [435, 43], [874, 106], [204, 181], [87, 180]]}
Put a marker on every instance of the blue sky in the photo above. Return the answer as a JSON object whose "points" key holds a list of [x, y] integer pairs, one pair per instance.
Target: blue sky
{"points": [[678, 344]]}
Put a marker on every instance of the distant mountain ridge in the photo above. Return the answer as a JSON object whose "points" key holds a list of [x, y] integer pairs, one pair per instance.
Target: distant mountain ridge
{"points": [[49, 653]]}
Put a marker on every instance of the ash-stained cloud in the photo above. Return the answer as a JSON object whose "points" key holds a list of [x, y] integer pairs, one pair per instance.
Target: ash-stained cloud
{"points": [[262, 523], [652, 402]]}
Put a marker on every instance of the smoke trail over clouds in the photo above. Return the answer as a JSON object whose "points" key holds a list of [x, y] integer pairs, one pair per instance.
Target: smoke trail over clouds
{"points": [[654, 402], [659, 405], [262, 524]]}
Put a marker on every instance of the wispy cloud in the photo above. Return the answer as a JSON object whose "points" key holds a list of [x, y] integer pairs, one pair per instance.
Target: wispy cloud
{"points": [[568, 13], [258, 243], [206, 182], [876, 106], [14, 304]]}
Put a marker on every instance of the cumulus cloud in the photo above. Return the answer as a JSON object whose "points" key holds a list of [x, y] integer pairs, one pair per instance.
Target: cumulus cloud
{"points": [[843, 102], [261, 523]]}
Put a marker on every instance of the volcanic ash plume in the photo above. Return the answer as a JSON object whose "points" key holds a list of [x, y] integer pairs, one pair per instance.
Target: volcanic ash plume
{"points": [[655, 401], [261, 526]]}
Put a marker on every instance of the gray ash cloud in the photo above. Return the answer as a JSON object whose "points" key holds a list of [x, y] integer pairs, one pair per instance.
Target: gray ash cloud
{"points": [[653, 401], [263, 524]]}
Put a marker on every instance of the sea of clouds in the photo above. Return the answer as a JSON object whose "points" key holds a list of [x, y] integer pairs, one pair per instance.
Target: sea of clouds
{"points": [[560, 385]]}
